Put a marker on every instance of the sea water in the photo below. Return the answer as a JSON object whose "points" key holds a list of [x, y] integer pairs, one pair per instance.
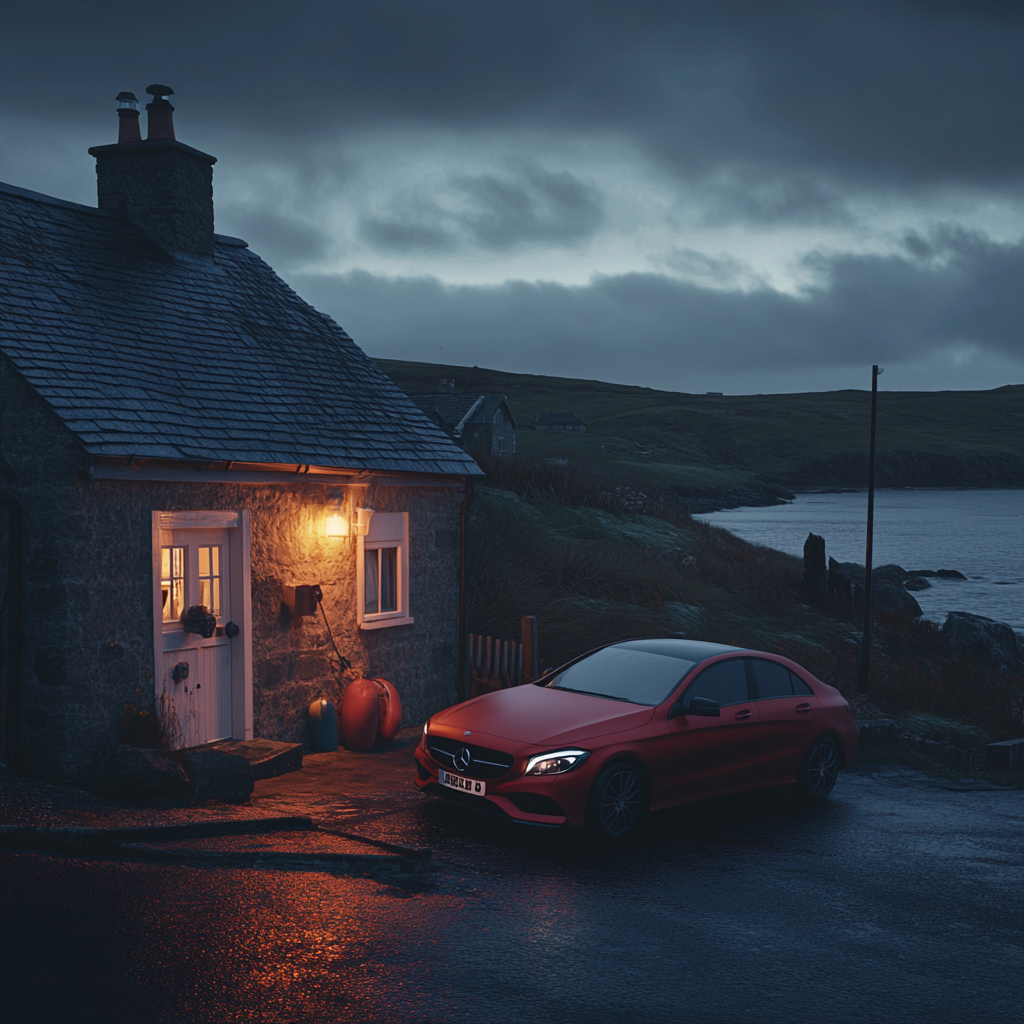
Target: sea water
{"points": [[978, 532]]}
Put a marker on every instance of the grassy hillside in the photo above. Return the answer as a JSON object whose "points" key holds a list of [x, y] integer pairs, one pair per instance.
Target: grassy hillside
{"points": [[596, 566], [950, 438]]}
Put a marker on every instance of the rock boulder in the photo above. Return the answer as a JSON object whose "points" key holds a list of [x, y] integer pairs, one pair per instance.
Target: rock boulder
{"points": [[138, 776], [215, 775], [975, 636], [846, 580]]}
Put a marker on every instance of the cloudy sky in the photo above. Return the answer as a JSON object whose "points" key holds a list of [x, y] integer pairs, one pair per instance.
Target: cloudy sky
{"points": [[729, 196]]}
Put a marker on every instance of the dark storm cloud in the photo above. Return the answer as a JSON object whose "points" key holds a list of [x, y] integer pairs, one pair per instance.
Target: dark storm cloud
{"points": [[492, 212], [945, 290], [875, 93], [289, 239]]}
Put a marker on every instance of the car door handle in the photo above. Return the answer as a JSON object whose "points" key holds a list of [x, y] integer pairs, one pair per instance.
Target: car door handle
{"points": [[742, 716], [803, 709]]}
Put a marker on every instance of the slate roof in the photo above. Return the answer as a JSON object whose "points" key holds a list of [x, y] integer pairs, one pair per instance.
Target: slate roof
{"points": [[190, 357], [450, 409]]}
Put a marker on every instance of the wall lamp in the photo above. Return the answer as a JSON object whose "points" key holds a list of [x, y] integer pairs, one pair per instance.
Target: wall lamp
{"points": [[341, 524]]}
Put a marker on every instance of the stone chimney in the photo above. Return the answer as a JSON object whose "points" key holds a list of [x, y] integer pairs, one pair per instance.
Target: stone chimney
{"points": [[446, 385], [160, 184]]}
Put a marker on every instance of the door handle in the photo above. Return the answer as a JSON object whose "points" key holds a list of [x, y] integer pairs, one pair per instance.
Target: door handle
{"points": [[742, 716], [803, 709]]}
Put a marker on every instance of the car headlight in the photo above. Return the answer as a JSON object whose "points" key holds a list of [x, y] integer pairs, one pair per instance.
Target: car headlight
{"points": [[556, 762], [425, 724]]}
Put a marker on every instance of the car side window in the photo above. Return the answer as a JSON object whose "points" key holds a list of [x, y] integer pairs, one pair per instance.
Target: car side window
{"points": [[800, 688], [725, 681], [773, 679]]}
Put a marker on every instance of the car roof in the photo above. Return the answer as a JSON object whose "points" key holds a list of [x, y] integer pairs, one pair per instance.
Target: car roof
{"points": [[674, 647]]}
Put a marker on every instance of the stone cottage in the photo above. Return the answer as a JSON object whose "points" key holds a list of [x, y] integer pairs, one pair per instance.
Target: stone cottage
{"points": [[188, 451], [482, 424]]}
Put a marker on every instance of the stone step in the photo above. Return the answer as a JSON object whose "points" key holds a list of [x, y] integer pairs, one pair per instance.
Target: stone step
{"points": [[269, 758]]}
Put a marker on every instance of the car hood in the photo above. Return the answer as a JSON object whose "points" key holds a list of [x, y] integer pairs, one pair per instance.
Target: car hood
{"points": [[538, 715]]}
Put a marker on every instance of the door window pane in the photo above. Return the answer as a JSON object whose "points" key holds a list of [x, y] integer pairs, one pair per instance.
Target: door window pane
{"points": [[209, 578], [772, 679], [725, 681], [172, 582]]}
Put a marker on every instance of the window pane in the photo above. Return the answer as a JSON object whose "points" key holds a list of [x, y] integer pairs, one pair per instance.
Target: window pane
{"points": [[209, 578], [725, 682], [772, 679], [800, 688], [172, 582], [371, 583], [389, 579]]}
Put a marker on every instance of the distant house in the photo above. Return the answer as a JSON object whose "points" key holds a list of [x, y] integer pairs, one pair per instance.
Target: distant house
{"points": [[185, 446], [559, 421], [482, 424]]}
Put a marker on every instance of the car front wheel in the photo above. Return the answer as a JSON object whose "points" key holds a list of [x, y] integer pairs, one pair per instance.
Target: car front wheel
{"points": [[616, 801], [819, 770]]}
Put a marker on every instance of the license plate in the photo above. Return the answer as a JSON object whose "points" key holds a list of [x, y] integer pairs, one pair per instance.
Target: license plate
{"points": [[461, 784]]}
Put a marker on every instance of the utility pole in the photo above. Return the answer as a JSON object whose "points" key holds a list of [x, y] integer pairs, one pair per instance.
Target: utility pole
{"points": [[864, 668]]}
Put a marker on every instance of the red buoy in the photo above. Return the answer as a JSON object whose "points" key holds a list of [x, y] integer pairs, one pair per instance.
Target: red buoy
{"points": [[390, 711], [360, 714]]}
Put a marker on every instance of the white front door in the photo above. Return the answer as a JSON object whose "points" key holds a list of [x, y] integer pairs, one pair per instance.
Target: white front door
{"points": [[197, 676]]}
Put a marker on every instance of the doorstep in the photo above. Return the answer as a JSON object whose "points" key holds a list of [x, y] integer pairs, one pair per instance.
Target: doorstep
{"points": [[268, 758]]}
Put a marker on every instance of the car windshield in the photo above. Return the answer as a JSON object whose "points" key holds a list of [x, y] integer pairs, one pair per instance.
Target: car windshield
{"points": [[627, 672]]}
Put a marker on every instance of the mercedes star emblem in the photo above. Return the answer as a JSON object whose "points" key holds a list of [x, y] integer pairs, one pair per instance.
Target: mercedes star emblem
{"points": [[462, 759]]}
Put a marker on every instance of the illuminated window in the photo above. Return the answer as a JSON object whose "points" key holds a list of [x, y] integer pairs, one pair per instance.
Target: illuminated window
{"points": [[384, 572], [172, 582], [209, 578]]}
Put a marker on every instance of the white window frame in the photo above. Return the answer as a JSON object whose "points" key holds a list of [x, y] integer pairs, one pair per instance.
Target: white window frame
{"points": [[387, 530]]}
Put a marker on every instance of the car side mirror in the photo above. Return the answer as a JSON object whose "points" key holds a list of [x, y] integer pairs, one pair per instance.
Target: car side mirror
{"points": [[703, 706]]}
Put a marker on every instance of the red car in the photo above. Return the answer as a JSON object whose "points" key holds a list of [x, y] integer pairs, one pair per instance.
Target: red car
{"points": [[637, 726]]}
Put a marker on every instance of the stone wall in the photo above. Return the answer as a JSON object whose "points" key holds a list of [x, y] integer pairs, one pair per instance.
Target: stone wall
{"points": [[88, 596]]}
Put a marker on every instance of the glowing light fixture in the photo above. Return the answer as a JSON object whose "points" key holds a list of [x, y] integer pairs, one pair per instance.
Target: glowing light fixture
{"points": [[337, 520]]}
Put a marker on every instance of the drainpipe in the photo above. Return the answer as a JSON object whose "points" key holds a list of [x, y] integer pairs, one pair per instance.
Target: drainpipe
{"points": [[13, 601], [464, 593]]}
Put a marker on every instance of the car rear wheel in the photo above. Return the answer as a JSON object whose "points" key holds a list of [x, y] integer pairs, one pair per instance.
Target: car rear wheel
{"points": [[616, 801], [819, 769]]}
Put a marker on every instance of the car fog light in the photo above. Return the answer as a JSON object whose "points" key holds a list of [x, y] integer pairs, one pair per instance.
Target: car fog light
{"points": [[556, 762]]}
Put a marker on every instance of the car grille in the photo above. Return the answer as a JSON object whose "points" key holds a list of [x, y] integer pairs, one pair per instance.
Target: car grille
{"points": [[484, 763]]}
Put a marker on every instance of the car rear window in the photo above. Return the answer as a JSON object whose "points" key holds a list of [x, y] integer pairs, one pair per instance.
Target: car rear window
{"points": [[624, 673]]}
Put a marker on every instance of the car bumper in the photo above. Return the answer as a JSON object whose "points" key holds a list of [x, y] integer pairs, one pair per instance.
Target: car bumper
{"points": [[506, 797]]}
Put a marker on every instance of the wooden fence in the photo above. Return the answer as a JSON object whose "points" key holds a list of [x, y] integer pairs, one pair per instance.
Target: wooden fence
{"points": [[498, 664]]}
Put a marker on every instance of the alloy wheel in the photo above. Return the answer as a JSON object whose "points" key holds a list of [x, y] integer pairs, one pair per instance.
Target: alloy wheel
{"points": [[822, 769], [621, 800]]}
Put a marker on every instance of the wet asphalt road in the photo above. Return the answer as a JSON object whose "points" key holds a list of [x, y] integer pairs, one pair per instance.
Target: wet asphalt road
{"points": [[896, 901]]}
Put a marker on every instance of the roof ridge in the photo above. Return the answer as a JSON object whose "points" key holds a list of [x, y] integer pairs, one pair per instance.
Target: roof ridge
{"points": [[40, 197]]}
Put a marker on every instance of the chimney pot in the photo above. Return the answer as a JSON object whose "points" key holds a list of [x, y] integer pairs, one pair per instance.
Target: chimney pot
{"points": [[128, 118], [160, 111]]}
